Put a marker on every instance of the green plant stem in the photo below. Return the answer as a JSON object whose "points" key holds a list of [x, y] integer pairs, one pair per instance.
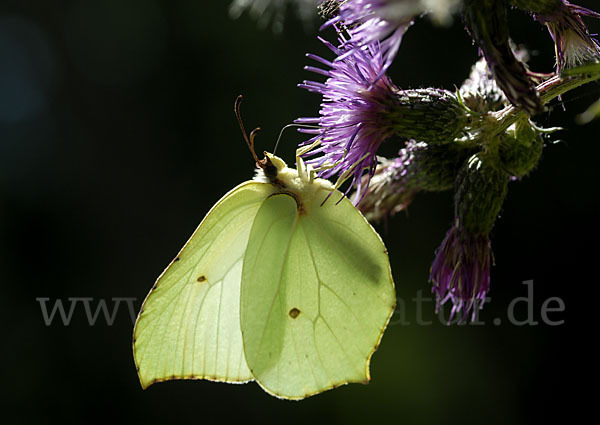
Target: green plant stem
{"points": [[549, 90]]}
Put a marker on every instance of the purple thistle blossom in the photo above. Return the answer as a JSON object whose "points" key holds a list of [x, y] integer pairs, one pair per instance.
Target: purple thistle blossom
{"points": [[573, 43], [355, 114], [461, 271], [371, 21], [391, 189]]}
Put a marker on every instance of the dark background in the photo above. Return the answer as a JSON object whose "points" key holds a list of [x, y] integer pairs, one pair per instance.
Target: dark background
{"points": [[116, 137]]}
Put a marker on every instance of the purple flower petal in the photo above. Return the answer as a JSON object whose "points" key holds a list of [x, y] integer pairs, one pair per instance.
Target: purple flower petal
{"points": [[370, 21], [356, 99], [574, 44], [461, 271]]}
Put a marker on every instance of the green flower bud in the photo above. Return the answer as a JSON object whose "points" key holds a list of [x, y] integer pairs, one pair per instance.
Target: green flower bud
{"points": [[428, 115], [480, 191], [480, 92], [461, 269], [434, 168], [418, 167], [520, 149]]}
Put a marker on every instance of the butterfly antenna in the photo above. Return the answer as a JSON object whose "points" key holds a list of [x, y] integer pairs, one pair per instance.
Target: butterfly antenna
{"points": [[252, 136], [249, 141], [288, 126]]}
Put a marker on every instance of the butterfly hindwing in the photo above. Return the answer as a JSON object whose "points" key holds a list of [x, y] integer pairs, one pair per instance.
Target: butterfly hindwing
{"points": [[317, 294]]}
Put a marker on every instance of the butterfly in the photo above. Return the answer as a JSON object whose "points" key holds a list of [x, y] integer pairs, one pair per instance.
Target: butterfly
{"points": [[277, 285]]}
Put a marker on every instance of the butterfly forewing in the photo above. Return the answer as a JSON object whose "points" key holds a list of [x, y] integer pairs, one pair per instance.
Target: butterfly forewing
{"points": [[189, 325]]}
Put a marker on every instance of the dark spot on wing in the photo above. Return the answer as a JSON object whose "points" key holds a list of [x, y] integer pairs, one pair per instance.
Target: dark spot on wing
{"points": [[176, 259], [201, 279], [294, 313]]}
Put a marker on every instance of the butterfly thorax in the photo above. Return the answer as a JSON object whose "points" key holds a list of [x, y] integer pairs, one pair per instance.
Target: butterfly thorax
{"points": [[301, 185]]}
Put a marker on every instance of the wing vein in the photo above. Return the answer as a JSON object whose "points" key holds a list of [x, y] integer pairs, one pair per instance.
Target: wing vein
{"points": [[279, 281], [343, 258]]}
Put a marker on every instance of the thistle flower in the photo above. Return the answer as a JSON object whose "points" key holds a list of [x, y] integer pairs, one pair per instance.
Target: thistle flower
{"points": [[418, 167], [371, 21], [461, 272], [362, 108], [520, 148], [461, 269], [573, 43], [355, 113], [392, 188], [480, 91], [487, 22]]}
